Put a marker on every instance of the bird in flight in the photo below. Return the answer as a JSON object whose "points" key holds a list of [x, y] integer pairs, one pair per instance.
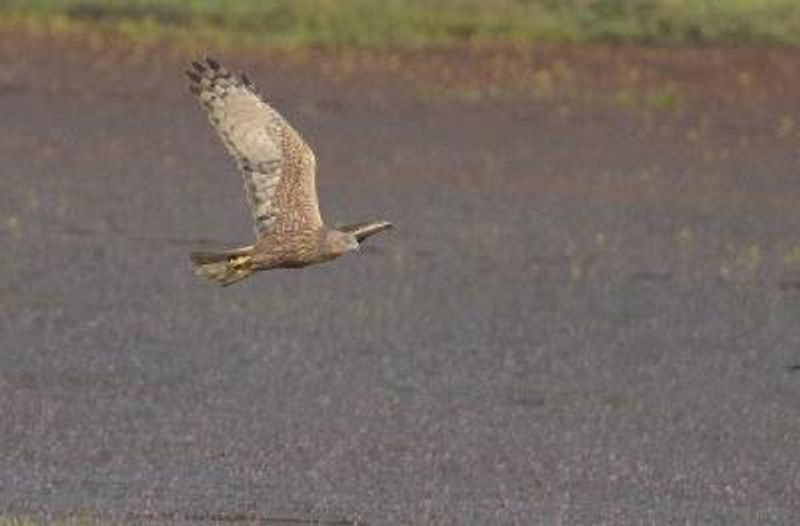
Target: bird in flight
{"points": [[278, 169]]}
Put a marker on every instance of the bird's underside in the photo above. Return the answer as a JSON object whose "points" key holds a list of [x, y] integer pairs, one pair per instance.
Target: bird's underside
{"points": [[278, 169]]}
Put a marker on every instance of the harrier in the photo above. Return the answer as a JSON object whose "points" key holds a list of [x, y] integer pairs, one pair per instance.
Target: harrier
{"points": [[278, 168]]}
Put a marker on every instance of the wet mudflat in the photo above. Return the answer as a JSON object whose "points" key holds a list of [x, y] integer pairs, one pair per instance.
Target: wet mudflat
{"points": [[588, 312]]}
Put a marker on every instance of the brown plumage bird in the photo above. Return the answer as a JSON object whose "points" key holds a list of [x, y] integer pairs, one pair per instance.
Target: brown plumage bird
{"points": [[278, 169]]}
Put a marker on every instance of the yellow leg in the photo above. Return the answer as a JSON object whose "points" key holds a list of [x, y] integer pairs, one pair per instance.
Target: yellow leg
{"points": [[238, 262]]}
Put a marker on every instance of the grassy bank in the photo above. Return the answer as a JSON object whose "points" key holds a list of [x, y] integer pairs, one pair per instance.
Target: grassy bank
{"points": [[421, 23]]}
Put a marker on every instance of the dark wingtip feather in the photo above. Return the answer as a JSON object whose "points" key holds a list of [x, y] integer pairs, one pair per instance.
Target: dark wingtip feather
{"points": [[195, 89], [193, 75], [216, 66], [198, 66]]}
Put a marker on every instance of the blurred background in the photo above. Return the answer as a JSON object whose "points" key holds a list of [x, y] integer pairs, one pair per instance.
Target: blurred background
{"points": [[587, 312], [420, 23]]}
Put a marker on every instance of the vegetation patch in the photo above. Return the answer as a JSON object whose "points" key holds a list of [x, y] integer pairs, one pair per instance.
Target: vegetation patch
{"points": [[76, 521], [413, 24]]}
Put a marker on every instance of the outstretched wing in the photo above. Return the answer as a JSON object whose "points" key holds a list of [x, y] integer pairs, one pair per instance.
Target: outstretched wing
{"points": [[362, 231], [278, 167]]}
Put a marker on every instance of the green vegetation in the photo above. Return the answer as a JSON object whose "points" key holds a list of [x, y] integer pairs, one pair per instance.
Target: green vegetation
{"points": [[422, 23], [12, 521]]}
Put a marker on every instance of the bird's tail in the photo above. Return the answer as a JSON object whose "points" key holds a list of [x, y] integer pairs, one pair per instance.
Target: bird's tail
{"points": [[226, 268]]}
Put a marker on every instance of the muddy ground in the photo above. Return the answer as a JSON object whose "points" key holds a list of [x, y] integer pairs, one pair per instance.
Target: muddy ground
{"points": [[588, 312]]}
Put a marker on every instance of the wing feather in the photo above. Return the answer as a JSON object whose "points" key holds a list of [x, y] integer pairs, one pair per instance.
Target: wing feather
{"points": [[364, 230], [277, 165]]}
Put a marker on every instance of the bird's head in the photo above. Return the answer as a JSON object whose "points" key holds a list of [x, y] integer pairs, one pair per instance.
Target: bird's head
{"points": [[338, 242]]}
